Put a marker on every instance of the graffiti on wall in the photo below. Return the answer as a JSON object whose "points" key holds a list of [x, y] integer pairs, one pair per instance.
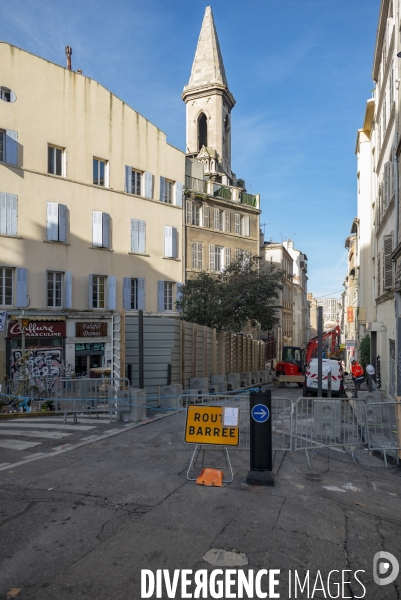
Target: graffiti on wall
{"points": [[42, 363]]}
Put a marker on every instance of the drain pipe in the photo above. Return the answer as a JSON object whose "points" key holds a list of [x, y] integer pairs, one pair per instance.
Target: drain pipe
{"points": [[397, 237]]}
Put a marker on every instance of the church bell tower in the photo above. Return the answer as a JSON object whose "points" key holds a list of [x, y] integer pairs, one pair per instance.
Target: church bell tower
{"points": [[208, 106]]}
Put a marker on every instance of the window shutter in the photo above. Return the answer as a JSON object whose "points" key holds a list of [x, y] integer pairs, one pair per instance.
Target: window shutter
{"points": [[216, 218], [227, 221], [161, 189], [194, 255], [68, 289], [160, 295], [393, 167], [178, 193], [3, 212], [134, 235], [148, 185], [168, 241], [200, 257], [97, 228], [128, 179], [141, 293], [205, 211], [227, 257], [12, 205], [237, 220], [189, 212], [127, 293], [22, 288], [11, 147], [112, 292], [388, 263], [246, 226], [90, 277], [142, 236], [52, 221], [178, 294], [386, 184], [62, 223], [211, 257], [105, 230], [174, 242]]}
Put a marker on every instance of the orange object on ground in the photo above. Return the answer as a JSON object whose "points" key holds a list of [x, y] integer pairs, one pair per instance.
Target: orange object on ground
{"points": [[210, 477]]}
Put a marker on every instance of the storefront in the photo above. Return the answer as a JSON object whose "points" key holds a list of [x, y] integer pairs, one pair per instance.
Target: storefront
{"points": [[88, 345]]}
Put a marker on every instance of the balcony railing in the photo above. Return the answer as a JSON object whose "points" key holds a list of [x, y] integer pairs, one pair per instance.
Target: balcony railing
{"points": [[196, 185]]}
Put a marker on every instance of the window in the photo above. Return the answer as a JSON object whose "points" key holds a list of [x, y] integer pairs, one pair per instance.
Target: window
{"points": [[168, 296], [197, 252], [168, 192], [6, 286], [133, 181], [218, 219], [216, 258], [8, 213], [100, 229], [7, 95], [98, 291], [202, 131], [193, 213], [244, 256], [54, 289], [100, 172], [237, 219], [9, 147], [170, 242], [56, 222], [134, 293], [138, 236], [55, 161]]}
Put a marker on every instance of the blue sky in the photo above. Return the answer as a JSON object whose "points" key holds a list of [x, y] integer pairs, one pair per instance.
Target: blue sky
{"points": [[300, 71]]}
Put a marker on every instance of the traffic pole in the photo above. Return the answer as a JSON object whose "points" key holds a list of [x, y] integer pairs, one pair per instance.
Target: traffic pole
{"points": [[261, 440], [319, 350]]}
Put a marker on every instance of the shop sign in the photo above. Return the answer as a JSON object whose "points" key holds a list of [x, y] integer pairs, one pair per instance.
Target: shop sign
{"points": [[91, 329], [38, 329], [350, 313]]}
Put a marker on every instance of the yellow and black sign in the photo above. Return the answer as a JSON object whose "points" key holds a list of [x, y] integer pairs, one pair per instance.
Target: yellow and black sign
{"points": [[212, 425]]}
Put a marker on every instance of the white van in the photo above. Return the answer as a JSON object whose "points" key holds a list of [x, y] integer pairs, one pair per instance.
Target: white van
{"points": [[337, 377]]}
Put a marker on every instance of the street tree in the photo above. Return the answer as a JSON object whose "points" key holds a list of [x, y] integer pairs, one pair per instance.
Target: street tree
{"points": [[241, 294]]}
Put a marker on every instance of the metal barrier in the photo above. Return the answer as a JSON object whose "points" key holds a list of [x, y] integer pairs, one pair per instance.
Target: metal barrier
{"points": [[383, 426]]}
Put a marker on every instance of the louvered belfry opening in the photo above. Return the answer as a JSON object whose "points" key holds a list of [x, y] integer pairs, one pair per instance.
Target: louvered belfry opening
{"points": [[202, 131]]}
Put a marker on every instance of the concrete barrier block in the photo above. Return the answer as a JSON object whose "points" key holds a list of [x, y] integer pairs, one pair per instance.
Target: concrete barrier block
{"points": [[255, 378], [233, 381], [137, 405], [170, 395], [246, 379], [220, 381], [327, 418], [199, 382]]}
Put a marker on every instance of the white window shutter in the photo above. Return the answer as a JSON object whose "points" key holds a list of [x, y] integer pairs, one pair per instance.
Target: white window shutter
{"points": [[194, 255], [174, 243], [134, 235], [22, 288], [161, 198], [105, 230], [3, 212], [127, 293], [227, 257], [205, 214], [178, 193], [141, 293], [128, 179], [68, 289], [142, 236], [12, 214], [97, 228], [112, 292], [216, 218], [160, 295], [168, 241], [148, 185], [388, 263], [52, 221], [212, 258], [200, 257], [12, 147], [189, 212], [90, 285], [227, 221], [62, 223]]}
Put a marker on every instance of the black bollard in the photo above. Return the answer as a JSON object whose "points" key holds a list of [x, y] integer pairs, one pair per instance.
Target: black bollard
{"points": [[261, 441]]}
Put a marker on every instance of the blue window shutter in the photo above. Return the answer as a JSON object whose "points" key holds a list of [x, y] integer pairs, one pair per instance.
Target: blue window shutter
{"points": [[12, 214], [112, 292], [68, 289], [178, 193], [127, 293], [97, 228], [90, 277], [128, 179], [161, 189], [22, 288], [174, 242], [178, 292], [3, 212], [148, 185], [142, 236], [160, 295], [134, 235], [52, 221], [62, 223], [105, 230], [141, 293], [11, 147]]}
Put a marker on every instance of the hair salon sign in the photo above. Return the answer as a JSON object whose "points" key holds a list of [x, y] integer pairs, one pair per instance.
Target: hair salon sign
{"points": [[38, 329]]}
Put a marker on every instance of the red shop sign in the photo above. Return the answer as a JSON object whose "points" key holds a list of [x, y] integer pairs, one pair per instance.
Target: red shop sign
{"points": [[38, 329]]}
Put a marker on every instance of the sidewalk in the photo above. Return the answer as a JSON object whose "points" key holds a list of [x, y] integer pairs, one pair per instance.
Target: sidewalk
{"points": [[84, 524]]}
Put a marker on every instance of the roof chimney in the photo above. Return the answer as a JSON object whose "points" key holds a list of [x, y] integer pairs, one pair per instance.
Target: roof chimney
{"points": [[68, 51]]}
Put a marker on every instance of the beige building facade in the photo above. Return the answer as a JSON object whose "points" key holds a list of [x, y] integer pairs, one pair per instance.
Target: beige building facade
{"points": [[91, 214]]}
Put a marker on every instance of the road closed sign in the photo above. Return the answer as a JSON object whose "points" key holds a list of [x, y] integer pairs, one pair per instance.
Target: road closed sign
{"points": [[217, 425]]}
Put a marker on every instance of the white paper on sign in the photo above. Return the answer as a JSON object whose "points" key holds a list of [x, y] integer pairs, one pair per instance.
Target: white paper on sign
{"points": [[230, 418]]}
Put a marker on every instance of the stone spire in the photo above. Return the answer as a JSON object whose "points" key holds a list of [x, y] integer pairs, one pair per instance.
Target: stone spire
{"points": [[208, 67]]}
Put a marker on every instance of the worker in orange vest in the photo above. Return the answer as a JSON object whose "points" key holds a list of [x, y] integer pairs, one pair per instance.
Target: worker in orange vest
{"points": [[358, 374]]}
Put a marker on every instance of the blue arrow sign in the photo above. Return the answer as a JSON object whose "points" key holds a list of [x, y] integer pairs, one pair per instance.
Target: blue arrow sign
{"points": [[260, 413]]}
